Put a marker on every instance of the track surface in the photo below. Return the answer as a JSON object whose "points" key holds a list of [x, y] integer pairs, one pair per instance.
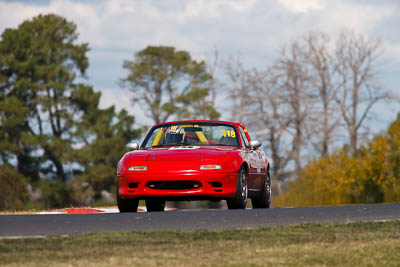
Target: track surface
{"points": [[71, 224]]}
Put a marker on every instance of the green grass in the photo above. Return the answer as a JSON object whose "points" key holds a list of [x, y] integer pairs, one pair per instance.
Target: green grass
{"points": [[353, 244]]}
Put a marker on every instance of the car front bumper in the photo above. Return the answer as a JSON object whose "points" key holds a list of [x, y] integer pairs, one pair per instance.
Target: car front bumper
{"points": [[213, 185]]}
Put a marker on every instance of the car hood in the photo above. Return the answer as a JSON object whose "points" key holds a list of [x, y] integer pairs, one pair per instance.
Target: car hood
{"points": [[181, 153]]}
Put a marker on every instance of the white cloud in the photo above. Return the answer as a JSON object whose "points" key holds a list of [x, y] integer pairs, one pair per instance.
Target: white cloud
{"points": [[361, 18], [12, 14], [302, 6]]}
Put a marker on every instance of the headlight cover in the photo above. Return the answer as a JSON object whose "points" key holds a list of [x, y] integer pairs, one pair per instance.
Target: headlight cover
{"points": [[210, 167], [137, 168]]}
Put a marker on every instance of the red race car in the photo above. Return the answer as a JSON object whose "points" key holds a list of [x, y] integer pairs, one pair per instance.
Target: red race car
{"points": [[194, 160]]}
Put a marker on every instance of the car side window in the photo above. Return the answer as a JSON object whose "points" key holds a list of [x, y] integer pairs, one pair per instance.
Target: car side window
{"points": [[244, 138]]}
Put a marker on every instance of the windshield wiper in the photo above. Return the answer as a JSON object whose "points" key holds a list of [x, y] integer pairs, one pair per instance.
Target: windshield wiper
{"points": [[183, 144]]}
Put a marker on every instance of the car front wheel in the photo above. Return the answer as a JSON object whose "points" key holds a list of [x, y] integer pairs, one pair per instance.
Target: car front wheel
{"points": [[127, 205], [240, 200], [155, 204]]}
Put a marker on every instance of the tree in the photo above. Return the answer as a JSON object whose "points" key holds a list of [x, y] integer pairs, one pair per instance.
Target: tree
{"points": [[306, 96], [13, 195], [325, 120], [39, 64], [12, 115], [293, 84], [271, 115], [358, 87], [240, 86], [167, 83], [102, 135], [369, 176], [256, 101], [51, 125]]}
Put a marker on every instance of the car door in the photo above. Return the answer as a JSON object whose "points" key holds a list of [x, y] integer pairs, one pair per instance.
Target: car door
{"points": [[263, 161], [253, 160], [259, 169]]}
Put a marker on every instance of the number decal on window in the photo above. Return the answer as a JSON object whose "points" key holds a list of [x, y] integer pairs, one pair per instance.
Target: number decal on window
{"points": [[228, 133]]}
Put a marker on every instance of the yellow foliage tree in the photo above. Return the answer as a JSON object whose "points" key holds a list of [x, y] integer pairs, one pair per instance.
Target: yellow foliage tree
{"points": [[371, 176]]}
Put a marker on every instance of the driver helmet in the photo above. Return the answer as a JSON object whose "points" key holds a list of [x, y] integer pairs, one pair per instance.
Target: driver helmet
{"points": [[175, 134]]}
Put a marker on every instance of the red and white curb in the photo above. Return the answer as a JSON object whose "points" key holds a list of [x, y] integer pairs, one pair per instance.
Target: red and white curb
{"points": [[92, 210]]}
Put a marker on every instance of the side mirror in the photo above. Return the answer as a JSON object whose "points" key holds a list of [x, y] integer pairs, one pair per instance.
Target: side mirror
{"points": [[132, 146], [254, 144]]}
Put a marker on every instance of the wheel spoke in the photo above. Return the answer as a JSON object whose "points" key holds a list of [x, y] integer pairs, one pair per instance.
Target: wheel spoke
{"points": [[244, 186]]}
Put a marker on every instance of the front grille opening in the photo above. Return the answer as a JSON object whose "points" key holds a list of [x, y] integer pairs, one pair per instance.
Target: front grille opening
{"points": [[133, 185], [131, 191], [174, 185], [216, 184], [219, 190]]}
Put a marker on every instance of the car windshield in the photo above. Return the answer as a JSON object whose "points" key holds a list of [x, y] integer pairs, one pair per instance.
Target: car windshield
{"points": [[215, 134]]}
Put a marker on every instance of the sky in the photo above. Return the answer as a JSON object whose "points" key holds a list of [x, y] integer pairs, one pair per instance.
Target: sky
{"points": [[255, 29]]}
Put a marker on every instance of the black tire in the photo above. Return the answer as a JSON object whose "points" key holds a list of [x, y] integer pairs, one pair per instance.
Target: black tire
{"points": [[263, 201], [155, 204], [240, 200], [127, 205]]}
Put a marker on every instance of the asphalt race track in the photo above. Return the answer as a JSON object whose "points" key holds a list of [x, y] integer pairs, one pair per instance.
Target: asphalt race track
{"points": [[71, 224]]}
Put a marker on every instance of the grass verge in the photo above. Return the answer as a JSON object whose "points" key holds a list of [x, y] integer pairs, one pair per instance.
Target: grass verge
{"points": [[349, 244]]}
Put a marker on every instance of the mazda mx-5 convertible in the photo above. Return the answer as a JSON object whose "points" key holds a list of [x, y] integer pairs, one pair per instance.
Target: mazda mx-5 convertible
{"points": [[194, 160]]}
